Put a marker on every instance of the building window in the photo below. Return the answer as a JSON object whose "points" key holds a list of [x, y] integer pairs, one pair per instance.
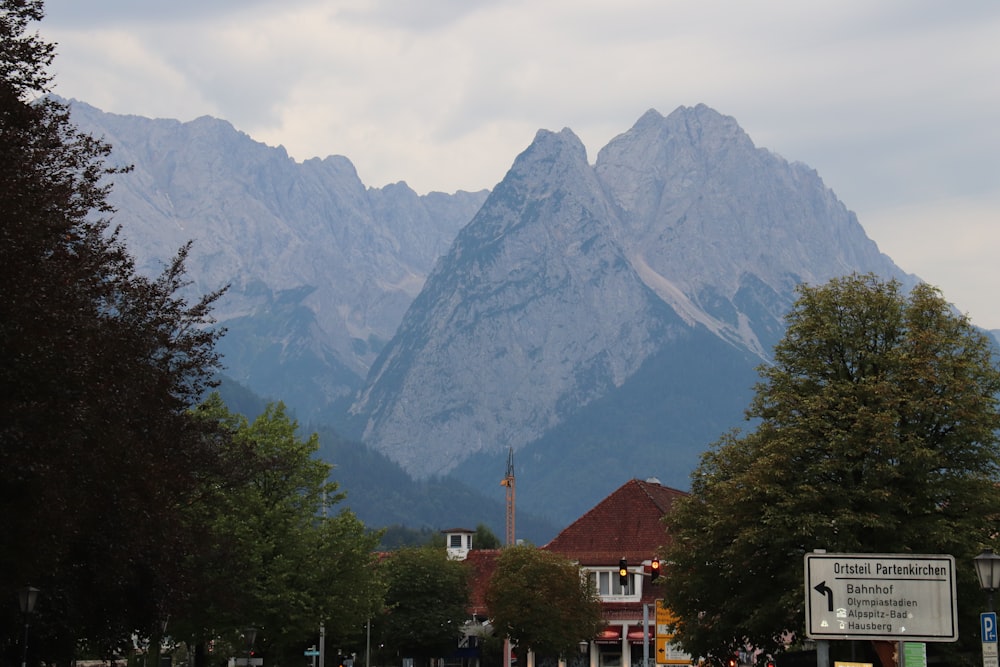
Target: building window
{"points": [[456, 541], [607, 584], [610, 659]]}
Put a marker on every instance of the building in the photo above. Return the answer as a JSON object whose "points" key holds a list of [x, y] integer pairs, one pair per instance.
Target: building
{"points": [[625, 525]]}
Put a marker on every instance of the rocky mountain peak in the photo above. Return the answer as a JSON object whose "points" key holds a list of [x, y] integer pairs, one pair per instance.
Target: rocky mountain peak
{"points": [[571, 277]]}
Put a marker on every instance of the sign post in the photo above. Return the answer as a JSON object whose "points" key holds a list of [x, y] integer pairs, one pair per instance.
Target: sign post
{"points": [[893, 597]]}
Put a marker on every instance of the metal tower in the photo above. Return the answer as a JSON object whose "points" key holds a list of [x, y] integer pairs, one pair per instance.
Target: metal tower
{"points": [[508, 481]]}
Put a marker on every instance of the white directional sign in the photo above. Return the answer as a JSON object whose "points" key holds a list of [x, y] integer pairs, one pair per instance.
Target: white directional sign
{"points": [[881, 596]]}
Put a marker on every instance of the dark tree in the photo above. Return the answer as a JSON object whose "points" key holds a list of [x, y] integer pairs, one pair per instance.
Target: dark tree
{"points": [[98, 367], [425, 604], [485, 538], [877, 434]]}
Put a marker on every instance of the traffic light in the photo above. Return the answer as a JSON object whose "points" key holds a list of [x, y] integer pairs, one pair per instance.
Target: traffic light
{"points": [[623, 573], [654, 569]]}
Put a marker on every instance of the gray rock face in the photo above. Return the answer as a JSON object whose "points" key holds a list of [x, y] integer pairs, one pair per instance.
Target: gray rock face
{"points": [[570, 277], [321, 268], [707, 217]]}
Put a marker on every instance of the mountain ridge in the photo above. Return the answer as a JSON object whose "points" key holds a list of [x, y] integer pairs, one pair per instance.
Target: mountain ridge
{"points": [[571, 276], [601, 319], [267, 225]]}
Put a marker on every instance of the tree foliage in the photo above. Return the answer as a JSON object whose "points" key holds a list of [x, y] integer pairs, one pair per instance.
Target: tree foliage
{"points": [[540, 600], [272, 555], [119, 500], [877, 434], [99, 367], [485, 538], [425, 604]]}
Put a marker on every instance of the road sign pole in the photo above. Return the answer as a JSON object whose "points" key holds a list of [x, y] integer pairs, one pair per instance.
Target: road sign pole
{"points": [[322, 644], [822, 653], [645, 635]]}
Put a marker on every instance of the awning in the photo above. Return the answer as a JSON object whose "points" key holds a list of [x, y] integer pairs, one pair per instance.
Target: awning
{"points": [[609, 635], [635, 633]]}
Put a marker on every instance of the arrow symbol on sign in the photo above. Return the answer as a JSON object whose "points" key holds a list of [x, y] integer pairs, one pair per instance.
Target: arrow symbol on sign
{"points": [[823, 589]]}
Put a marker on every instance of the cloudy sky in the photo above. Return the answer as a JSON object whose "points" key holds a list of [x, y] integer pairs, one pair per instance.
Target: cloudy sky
{"points": [[896, 103]]}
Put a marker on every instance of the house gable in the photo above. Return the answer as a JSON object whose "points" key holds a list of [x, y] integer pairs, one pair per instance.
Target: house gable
{"points": [[627, 524]]}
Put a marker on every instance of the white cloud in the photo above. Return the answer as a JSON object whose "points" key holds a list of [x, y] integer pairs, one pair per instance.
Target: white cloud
{"points": [[894, 103], [954, 243]]}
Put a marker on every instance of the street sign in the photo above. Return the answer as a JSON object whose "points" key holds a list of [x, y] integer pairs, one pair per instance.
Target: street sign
{"points": [[881, 596], [666, 652], [664, 618], [988, 627], [988, 633], [310, 653], [914, 654]]}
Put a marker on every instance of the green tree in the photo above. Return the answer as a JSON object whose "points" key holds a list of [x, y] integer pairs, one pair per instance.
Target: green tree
{"points": [[877, 434], [99, 367], [485, 538], [425, 605], [272, 554], [539, 600]]}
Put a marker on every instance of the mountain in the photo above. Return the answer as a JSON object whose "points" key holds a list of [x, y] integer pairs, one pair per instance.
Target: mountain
{"points": [[320, 268], [605, 320]]}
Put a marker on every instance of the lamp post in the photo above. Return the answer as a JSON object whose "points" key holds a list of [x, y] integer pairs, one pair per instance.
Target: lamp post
{"points": [[988, 571], [251, 635], [26, 598], [585, 652]]}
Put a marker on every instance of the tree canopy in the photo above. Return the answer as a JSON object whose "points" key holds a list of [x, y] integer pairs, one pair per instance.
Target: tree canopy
{"points": [[539, 600], [272, 554], [877, 433], [99, 367], [425, 604]]}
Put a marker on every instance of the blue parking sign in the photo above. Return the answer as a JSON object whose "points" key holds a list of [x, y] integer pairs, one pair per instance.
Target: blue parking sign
{"points": [[988, 627]]}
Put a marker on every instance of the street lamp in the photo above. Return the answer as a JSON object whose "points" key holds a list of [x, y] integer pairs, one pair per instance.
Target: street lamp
{"points": [[585, 652], [988, 571], [26, 598], [250, 634]]}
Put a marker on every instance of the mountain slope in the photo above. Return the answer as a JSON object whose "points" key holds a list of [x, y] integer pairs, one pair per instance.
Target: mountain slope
{"points": [[492, 351], [678, 252], [723, 230], [284, 235]]}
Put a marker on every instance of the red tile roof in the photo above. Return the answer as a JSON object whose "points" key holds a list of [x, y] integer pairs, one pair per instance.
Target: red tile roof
{"points": [[627, 524], [482, 564]]}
